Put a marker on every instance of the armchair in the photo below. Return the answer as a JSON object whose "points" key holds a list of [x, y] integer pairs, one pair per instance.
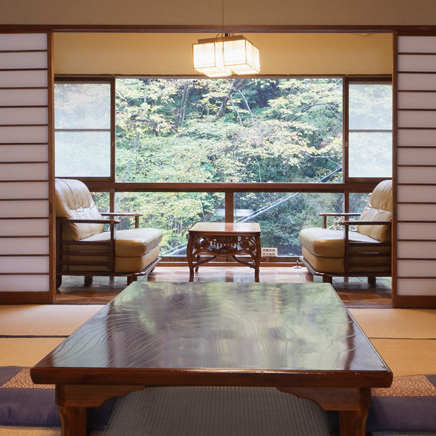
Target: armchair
{"points": [[84, 248], [362, 253]]}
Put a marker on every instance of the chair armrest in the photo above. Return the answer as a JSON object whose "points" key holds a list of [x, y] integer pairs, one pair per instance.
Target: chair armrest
{"points": [[326, 214], [365, 223], [88, 221], [135, 214], [339, 214], [121, 214]]}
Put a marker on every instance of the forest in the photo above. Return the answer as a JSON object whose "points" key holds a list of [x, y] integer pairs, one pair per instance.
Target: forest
{"points": [[229, 130]]}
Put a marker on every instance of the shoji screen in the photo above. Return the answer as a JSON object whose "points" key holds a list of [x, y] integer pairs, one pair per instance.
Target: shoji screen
{"points": [[25, 84], [416, 171]]}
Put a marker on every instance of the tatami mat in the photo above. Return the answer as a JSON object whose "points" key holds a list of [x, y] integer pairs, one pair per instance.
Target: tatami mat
{"points": [[25, 351], [408, 356], [397, 323], [44, 320], [29, 431]]}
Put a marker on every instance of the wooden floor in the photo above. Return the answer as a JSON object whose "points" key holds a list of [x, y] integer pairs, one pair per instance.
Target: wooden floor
{"points": [[354, 292]]}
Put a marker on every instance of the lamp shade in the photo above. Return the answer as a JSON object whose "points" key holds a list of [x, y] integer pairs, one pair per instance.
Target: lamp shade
{"points": [[218, 57], [209, 58], [240, 55]]}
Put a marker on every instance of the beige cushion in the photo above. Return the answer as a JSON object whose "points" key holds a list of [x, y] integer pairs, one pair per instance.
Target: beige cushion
{"points": [[73, 200], [131, 242], [122, 264], [329, 243], [378, 208], [336, 264]]}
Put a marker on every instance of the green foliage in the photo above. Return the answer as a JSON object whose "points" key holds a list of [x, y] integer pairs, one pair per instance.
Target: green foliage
{"points": [[227, 130]]}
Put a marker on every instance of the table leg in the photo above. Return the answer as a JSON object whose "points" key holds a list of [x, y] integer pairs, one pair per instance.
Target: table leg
{"points": [[257, 259], [353, 423], [189, 256], [73, 421], [351, 403]]}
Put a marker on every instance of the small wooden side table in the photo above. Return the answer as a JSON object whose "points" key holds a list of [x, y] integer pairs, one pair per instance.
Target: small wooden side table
{"points": [[224, 240]]}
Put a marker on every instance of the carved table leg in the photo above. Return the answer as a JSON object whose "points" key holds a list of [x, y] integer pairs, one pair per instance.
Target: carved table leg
{"points": [[73, 421]]}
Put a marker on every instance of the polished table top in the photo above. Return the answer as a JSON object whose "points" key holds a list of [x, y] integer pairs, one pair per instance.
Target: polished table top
{"points": [[241, 334]]}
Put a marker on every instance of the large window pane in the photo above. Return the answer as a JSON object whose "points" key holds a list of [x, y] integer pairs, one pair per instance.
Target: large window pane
{"points": [[82, 106], [82, 154], [83, 129], [370, 154], [172, 212], [370, 130], [282, 215], [228, 130]]}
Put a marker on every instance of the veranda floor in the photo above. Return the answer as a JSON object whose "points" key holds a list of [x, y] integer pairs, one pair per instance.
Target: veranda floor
{"points": [[354, 292]]}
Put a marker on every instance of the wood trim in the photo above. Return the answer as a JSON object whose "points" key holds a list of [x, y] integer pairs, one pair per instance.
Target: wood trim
{"points": [[415, 301], [394, 267], [24, 297], [51, 170], [411, 30]]}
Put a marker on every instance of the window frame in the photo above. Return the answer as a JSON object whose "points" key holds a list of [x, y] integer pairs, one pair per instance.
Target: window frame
{"points": [[89, 81], [347, 186]]}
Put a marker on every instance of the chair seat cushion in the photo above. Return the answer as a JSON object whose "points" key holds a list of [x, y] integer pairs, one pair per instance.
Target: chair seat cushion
{"points": [[329, 243], [131, 242]]}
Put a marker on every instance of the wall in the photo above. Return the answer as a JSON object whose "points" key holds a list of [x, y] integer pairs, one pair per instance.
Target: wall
{"points": [[171, 53], [209, 12]]}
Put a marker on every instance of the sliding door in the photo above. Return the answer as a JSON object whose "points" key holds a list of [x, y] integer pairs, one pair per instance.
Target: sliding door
{"points": [[25, 167], [416, 170]]}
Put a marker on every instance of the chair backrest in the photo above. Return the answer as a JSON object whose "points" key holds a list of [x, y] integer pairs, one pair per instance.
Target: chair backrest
{"points": [[378, 208], [73, 200]]}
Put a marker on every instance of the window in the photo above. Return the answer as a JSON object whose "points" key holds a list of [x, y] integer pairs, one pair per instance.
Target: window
{"points": [[83, 129], [229, 130], [268, 150], [370, 130]]}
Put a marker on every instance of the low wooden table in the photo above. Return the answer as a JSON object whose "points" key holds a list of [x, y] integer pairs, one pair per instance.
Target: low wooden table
{"points": [[224, 240], [298, 338]]}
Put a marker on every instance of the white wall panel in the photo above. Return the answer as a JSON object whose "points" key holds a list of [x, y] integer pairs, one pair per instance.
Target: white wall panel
{"points": [[417, 268], [24, 209], [24, 246], [24, 227], [24, 153], [416, 212], [418, 82], [24, 265], [27, 283], [416, 100], [23, 97], [417, 250], [25, 171], [24, 60], [19, 116], [417, 62], [417, 174], [423, 231], [23, 41], [410, 286], [18, 190], [416, 138], [416, 156], [425, 194], [20, 79], [417, 118], [416, 44]]}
